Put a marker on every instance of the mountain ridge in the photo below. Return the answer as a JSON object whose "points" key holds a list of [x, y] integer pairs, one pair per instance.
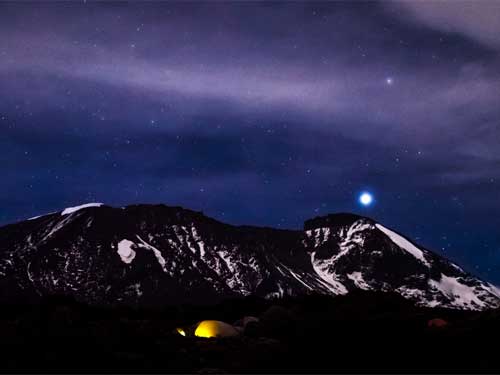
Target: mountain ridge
{"points": [[150, 254]]}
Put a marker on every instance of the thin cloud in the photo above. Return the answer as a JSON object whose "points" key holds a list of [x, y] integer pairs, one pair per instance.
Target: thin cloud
{"points": [[478, 19]]}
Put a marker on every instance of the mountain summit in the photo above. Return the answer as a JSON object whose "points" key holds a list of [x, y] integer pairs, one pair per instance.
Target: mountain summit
{"points": [[154, 255]]}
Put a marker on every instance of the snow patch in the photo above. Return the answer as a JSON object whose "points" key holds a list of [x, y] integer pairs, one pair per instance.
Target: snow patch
{"points": [[30, 276], [411, 293], [125, 251], [137, 288], [201, 245], [224, 255], [39, 216], [461, 295], [353, 234], [70, 210], [457, 267], [57, 227], [404, 244], [357, 277], [280, 270], [494, 290], [279, 294], [321, 235], [295, 276], [321, 268], [156, 252]]}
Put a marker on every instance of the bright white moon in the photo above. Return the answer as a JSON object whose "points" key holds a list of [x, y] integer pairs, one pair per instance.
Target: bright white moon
{"points": [[366, 199]]}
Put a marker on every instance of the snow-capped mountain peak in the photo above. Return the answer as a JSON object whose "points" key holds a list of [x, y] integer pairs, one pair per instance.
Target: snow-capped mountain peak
{"points": [[155, 254]]}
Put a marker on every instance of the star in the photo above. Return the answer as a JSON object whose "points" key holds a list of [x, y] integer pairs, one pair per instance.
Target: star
{"points": [[389, 81]]}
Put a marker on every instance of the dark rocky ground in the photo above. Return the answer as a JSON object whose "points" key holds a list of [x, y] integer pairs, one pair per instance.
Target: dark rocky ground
{"points": [[360, 332]]}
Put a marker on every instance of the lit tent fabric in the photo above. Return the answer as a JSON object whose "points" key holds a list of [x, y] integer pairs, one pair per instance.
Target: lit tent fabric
{"points": [[215, 328], [210, 328]]}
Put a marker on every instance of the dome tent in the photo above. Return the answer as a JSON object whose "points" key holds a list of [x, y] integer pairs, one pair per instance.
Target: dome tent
{"points": [[437, 323], [210, 329], [245, 320], [215, 328]]}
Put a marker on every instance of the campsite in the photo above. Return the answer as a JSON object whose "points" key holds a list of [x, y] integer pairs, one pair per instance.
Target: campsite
{"points": [[319, 334]]}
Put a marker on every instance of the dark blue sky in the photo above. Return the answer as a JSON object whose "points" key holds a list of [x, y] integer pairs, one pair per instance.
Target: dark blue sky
{"points": [[259, 113]]}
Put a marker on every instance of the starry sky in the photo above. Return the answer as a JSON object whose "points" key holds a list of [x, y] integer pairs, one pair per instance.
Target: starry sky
{"points": [[260, 113]]}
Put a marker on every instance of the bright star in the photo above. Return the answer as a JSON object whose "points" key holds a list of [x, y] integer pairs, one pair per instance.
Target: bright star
{"points": [[365, 199], [389, 81]]}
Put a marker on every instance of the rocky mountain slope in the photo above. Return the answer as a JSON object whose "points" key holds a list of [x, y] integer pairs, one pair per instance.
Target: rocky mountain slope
{"points": [[157, 255]]}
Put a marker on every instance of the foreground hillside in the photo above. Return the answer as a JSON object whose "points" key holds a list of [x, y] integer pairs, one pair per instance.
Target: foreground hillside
{"points": [[361, 331]]}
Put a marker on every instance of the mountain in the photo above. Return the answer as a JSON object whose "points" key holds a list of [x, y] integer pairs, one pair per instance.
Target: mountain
{"points": [[155, 255]]}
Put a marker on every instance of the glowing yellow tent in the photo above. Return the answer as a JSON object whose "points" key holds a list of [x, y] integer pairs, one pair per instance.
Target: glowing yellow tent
{"points": [[215, 328], [211, 328]]}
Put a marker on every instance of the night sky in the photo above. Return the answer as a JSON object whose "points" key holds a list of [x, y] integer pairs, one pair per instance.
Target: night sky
{"points": [[260, 113]]}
